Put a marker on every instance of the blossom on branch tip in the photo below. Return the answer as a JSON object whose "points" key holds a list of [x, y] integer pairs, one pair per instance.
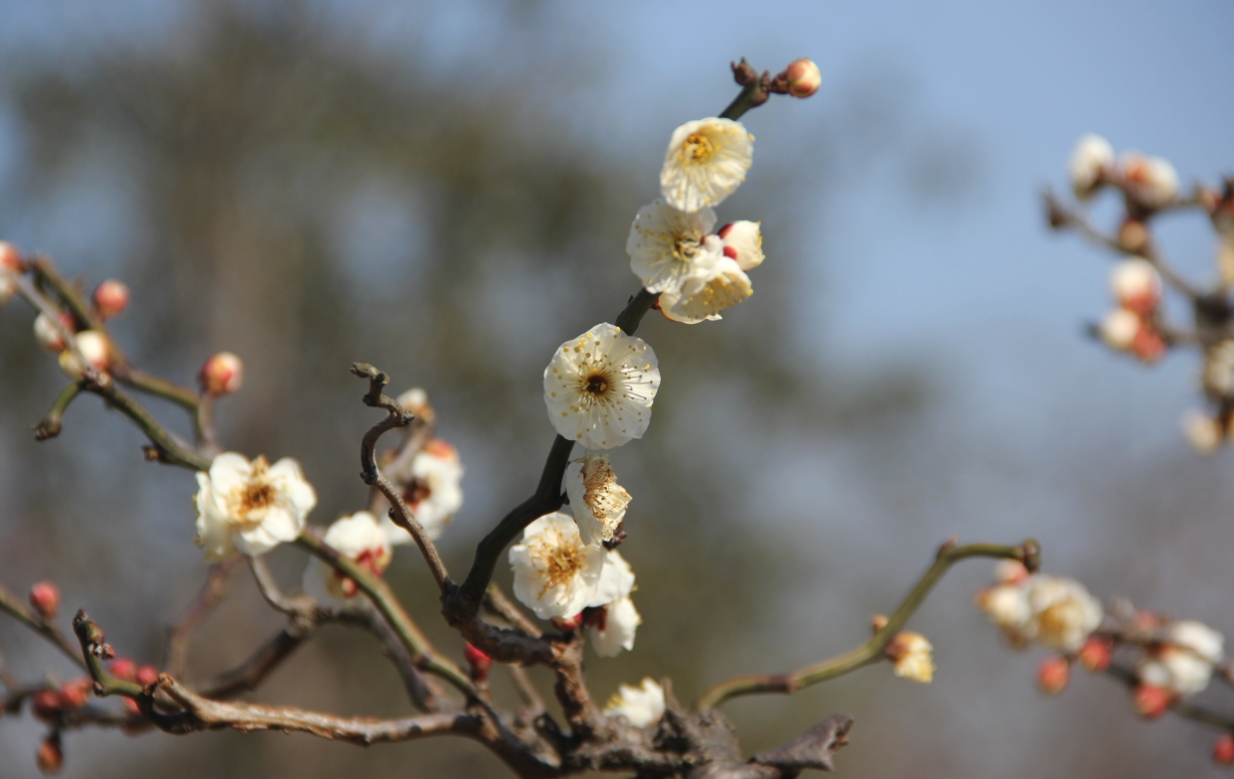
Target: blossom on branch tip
{"points": [[726, 286], [1090, 162], [1007, 607], [1064, 613], [415, 401], [111, 297], [743, 242], [359, 538], [912, 654], [248, 507], [433, 490], [1136, 285], [93, 347], [222, 374], [1152, 178], [1183, 664], [555, 573], [45, 598], [706, 160], [803, 77], [599, 387], [48, 335], [669, 247], [641, 706], [596, 499], [1053, 675]]}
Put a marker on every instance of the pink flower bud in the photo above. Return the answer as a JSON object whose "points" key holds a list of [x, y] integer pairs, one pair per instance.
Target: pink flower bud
{"points": [[93, 347], [1223, 750], [75, 693], [1148, 344], [803, 77], [147, 675], [568, 624], [10, 258], [48, 335], [45, 598], [124, 669], [1096, 652], [480, 663], [222, 374], [111, 298], [50, 755], [1053, 674], [1151, 701], [45, 704]]}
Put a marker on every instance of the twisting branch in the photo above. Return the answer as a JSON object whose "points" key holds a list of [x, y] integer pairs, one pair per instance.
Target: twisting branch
{"points": [[218, 582], [11, 604], [165, 446], [949, 554], [372, 476]]}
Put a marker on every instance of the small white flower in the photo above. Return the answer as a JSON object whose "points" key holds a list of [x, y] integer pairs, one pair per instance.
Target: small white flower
{"points": [[613, 629], [616, 580], [1092, 156], [555, 573], [1201, 431], [599, 387], [1119, 328], [434, 491], [1154, 178], [1185, 663], [668, 247], [1135, 284], [706, 160], [699, 299], [596, 499], [250, 507], [358, 537], [913, 656], [92, 346], [641, 706], [1007, 607], [743, 242], [48, 335], [1064, 613]]}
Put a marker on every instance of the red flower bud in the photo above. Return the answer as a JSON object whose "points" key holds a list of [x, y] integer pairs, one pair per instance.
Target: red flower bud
{"points": [[124, 669], [45, 598], [1151, 702], [45, 704], [10, 258], [50, 755], [111, 298], [803, 77], [480, 663], [1223, 750], [75, 693], [1053, 675], [222, 374], [1096, 652], [147, 675]]}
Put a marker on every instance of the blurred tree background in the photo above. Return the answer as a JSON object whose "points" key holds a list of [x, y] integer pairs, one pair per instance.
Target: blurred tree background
{"points": [[277, 180]]}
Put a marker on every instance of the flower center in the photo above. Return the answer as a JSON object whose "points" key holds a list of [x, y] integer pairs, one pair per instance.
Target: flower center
{"points": [[417, 491], [699, 147], [560, 562], [597, 384]]}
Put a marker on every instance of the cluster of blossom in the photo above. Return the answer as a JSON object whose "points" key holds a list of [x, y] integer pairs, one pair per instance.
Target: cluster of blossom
{"points": [[1136, 325], [1172, 659]]}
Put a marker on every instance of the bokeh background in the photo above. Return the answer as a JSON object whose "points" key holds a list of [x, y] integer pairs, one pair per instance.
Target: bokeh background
{"points": [[444, 190]]}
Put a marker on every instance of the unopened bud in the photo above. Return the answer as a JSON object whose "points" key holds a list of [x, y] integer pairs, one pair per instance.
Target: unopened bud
{"points": [[1136, 285], [1119, 328], [1152, 179], [1096, 653], [1152, 701], [45, 704], [1133, 236], [147, 675], [48, 335], [123, 668], [878, 622], [1090, 164], [480, 663], [222, 374], [1053, 674], [1223, 750], [1010, 572], [743, 242], [50, 755], [75, 693], [93, 346], [111, 298], [45, 598], [415, 400], [913, 656], [568, 624], [803, 77]]}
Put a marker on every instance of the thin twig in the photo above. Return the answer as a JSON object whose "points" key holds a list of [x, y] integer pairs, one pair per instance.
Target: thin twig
{"points": [[166, 446], [218, 582], [872, 651], [49, 426]]}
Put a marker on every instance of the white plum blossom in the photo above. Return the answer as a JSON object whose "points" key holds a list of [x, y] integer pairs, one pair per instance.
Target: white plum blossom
{"points": [[596, 499], [913, 656], [613, 629], [1185, 663], [641, 706], [434, 491], [1201, 431], [1153, 177], [1119, 328], [555, 573], [706, 160], [701, 299], [1007, 607], [668, 247], [1136, 284], [250, 507], [1092, 157], [743, 242], [599, 387], [1064, 613], [48, 335], [93, 347], [358, 537]]}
